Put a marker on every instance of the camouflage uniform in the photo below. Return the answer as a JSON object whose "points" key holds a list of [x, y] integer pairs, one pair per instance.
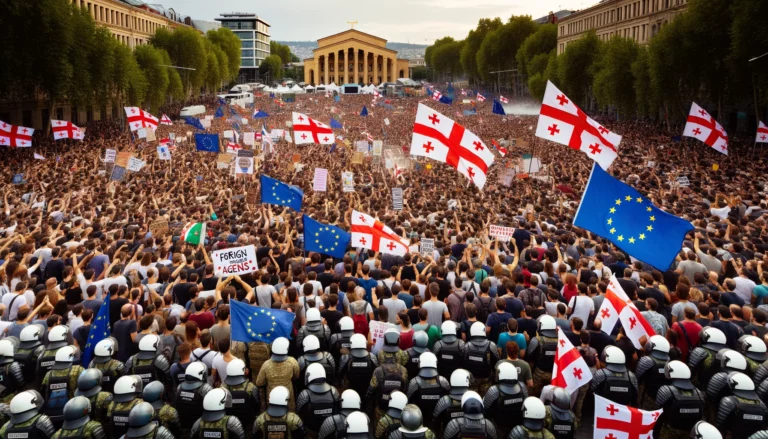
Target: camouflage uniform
{"points": [[254, 355], [384, 423], [27, 358], [74, 372], [274, 374], [291, 419], [99, 406], [168, 417], [119, 407], [230, 427], [520, 432], [91, 430], [540, 349], [162, 368], [41, 422], [159, 433], [245, 409], [427, 435], [110, 372], [377, 380], [399, 357]]}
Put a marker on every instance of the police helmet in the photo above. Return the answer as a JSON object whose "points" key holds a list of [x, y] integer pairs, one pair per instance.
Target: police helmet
{"points": [[89, 383], [614, 359], [148, 347], [752, 347], [196, 374], [278, 402], [547, 326], [280, 349], [57, 337], [315, 373], [346, 324], [350, 401], [76, 413], [153, 394], [705, 430], [140, 420], [391, 340], [7, 349], [397, 402], [420, 342], [472, 405], [25, 406], [104, 350], [428, 365], [741, 385], [411, 420], [477, 330], [314, 319], [357, 345], [215, 404], [561, 399], [460, 381], [357, 425], [731, 361], [448, 328], [235, 372], [31, 336], [64, 358], [127, 388], [712, 338], [533, 413], [659, 347]]}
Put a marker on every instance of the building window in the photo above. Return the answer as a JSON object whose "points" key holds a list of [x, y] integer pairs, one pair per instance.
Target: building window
{"points": [[245, 35], [247, 62], [247, 53], [247, 44]]}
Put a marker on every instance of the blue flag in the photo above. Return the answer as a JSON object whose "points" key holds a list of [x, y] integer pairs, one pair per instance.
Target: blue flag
{"points": [[335, 124], [207, 142], [446, 100], [99, 331], [232, 110], [429, 92], [337, 98], [470, 112], [497, 108], [272, 95], [619, 213], [324, 238], [195, 122], [260, 114], [252, 323], [364, 111], [219, 112], [333, 148], [276, 192]]}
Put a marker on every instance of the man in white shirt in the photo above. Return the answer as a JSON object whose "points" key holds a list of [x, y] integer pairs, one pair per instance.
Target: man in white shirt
{"points": [[744, 286], [13, 301]]}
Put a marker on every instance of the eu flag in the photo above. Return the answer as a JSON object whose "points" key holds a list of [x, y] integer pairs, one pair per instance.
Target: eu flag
{"points": [[195, 122], [364, 111], [207, 142], [446, 100], [219, 112], [252, 323], [497, 108], [619, 213], [335, 124], [324, 238], [276, 192], [99, 331]]}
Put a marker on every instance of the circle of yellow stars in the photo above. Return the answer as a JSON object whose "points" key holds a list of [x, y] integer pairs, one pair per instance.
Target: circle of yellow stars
{"points": [[281, 201], [631, 239], [333, 232], [266, 334], [93, 335]]}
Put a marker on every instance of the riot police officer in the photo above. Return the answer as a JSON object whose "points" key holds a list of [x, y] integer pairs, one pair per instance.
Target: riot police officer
{"points": [[717, 388], [58, 337], [89, 386], [318, 400], [164, 414], [650, 370], [126, 395], [742, 411], [449, 406], [77, 421], [705, 430], [391, 353], [542, 350], [755, 350], [313, 354], [387, 378], [149, 363], [30, 349], [390, 421], [412, 425], [214, 421], [420, 343], [11, 371], [560, 420], [427, 387], [702, 359], [340, 343], [473, 424], [26, 420], [534, 414], [480, 357], [110, 367], [357, 426], [142, 425], [615, 382], [449, 350], [335, 427], [60, 383], [277, 422], [356, 369], [245, 394], [683, 403], [191, 393], [503, 402], [314, 327]]}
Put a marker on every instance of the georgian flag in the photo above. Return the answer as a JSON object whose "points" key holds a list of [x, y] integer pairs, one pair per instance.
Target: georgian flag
{"points": [[13, 135], [561, 121], [372, 234], [480, 98], [700, 125], [138, 118], [63, 129], [233, 147], [617, 307], [762, 133], [436, 95], [463, 92], [503, 99], [165, 120], [616, 421], [570, 371], [376, 94], [502, 150], [308, 130]]}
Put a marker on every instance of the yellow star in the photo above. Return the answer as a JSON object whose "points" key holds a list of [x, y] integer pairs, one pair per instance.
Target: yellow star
{"points": [[613, 230], [618, 202], [613, 210], [628, 198], [273, 317], [317, 234], [631, 240], [610, 221], [642, 236], [653, 218], [317, 241], [620, 238], [648, 208], [650, 228], [639, 200]]}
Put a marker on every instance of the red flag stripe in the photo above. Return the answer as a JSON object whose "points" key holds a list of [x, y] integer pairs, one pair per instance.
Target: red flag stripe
{"points": [[580, 124], [453, 142], [714, 134], [634, 428], [313, 128]]}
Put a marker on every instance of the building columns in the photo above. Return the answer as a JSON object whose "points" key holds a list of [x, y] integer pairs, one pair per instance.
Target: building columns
{"points": [[325, 74], [354, 59]]}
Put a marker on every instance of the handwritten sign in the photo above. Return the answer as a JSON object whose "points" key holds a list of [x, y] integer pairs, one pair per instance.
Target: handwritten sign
{"points": [[357, 158], [427, 247], [378, 146], [135, 164], [397, 198], [320, 182], [109, 156], [377, 334], [231, 261], [244, 162], [500, 232], [249, 138], [118, 173], [151, 135], [348, 181], [361, 146], [683, 181], [229, 134], [158, 228]]}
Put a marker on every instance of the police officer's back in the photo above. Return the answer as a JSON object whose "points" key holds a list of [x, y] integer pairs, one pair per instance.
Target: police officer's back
{"points": [[480, 357], [356, 369], [191, 393], [742, 413], [702, 359], [534, 415], [390, 352], [149, 363], [614, 381], [412, 425], [390, 420], [387, 378], [141, 424], [560, 420], [683, 403], [318, 400], [11, 371], [125, 396], [335, 427], [420, 346], [542, 350], [314, 327], [110, 367], [449, 406], [503, 402], [650, 370], [340, 342], [27, 421], [89, 386], [449, 350], [78, 422], [473, 424], [313, 354], [277, 422], [60, 383], [58, 337], [214, 422], [427, 387], [754, 349], [30, 349], [245, 394], [164, 414]]}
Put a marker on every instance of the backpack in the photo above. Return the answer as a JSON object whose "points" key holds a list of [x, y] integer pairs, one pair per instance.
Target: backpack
{"points": [[530, 296], [485, 309]]}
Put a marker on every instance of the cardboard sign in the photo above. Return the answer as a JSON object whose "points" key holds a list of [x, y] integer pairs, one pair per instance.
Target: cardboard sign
{"points": [[397, 198], [683, 181], [348, 181], [244, 121], [122, 159], [357, 158], [151, 135], [386, 121], [427, 247], [142, 133], [237, 260], [320, 182], [378, 146], [118, 173], [109, 156], [252, 196], [244, 162], [158, 228], [135, 164], [500, 232], [163, 153], [361, 146], [249, 138], [206, 123], [288, 124], [531, 165], [229, 134], [208, 117], [650, 164]]}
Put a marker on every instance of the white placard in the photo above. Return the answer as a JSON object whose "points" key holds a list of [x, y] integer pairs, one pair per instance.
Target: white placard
{"points": [[377, 334], [500, 232], [237, 260], [135, 164], [163, 153], [531, 165], [361, 146], [320, 182], [389, 164], [386, 121], [244, 121], [229, 134], [206, 123], [249, 138], [142, 133], [683, 181], [378, 146], [109, 156], [348, 181], [427, 247], [208, 117]]}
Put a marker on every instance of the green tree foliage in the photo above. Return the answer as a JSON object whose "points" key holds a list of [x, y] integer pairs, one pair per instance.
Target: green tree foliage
{"points": [[472, 45], [673, 81], [499, 48], [749, 39], [230, 44], [539, 43], [281, 50], [102, 64], [613, 78], [446, 58], [128, 81], [150, 60], [187, 49], [644, 96], [419, 73], [274, 65], [537, 79], [574, 68]]}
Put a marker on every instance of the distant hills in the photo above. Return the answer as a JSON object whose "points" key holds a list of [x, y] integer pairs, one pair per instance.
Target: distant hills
{"points": [[303, 49]]}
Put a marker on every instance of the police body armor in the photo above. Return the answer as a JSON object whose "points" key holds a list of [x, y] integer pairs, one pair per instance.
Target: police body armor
{"points": [[27, 358], [472, 430], [392, 381], [454, 411], [7, 380], [655, 378], [180, 377], [427, 395], [747, 419], [395, 425], [120, 418], [189, 403], [340, 347], [618, 389], [478, 361], [449, 358], [563, 423], [56, 396], [214, 430], [412, 366], [46, 362], [509, 407], [320, 337], [30, 431], [545, 357], [684, 410], [360, 372], [241, 404], [319, 407], [108, 375], [276, 430], [144, 369], [330, 373]]}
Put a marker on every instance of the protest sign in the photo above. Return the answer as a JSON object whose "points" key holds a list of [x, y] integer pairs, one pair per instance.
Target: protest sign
{"points": [[244, 121], [683, 181], [389, 164], [229, 134], [18, 179], [118, 173], [109, 156], [397, 198], [172, 136], [386, 121], [378, 146], [252, 196], [320, 182], [244, 162], [650, 164], [348, 181], [122, 159], [427, 247], [361, 146], [377, 334], [135, 164], [531, 165], [163, 153], [288, 124], [231, 261], [249, 138], [224, 160], [208, 117], [500, 232], [206, 123], [151, 135], [357, 158], [141, 133], [158, 228]]}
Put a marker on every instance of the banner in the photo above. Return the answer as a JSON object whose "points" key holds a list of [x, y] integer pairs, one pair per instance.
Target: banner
{"points": [[224, 160], [361, 146], [348, 181], [122, 159], [135, 164], [357, 158], [320, 182], [229, 134], [500, 232], [378, 146], [118, 173], [231, 261], [109, 156], [163, 153], [397, 198], [427, 247]]}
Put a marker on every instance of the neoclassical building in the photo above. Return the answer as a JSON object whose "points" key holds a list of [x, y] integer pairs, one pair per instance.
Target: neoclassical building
{"points": [[353, 57]]}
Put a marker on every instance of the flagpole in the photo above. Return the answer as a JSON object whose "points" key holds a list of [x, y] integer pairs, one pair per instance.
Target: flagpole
{"points": [[533, 152]]}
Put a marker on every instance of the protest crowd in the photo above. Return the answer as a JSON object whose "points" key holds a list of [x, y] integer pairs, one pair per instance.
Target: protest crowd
{"points": [[115, 321]]}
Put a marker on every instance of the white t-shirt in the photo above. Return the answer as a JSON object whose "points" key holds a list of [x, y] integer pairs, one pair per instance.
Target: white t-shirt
{"points": [[199, 354], [220, 365], [582, 306], [317, 299], [21, 301], [721, 213]]}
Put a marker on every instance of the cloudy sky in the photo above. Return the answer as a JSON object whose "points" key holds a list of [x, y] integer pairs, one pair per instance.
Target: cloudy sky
{"points": [[415, 21]]}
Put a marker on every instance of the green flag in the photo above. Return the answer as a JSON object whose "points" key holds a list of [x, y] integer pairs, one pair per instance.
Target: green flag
{"points": [[193, 233]]}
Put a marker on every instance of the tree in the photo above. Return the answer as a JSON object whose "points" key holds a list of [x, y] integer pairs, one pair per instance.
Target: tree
{"points": [[419, 73], [212, 73], [673, 82], [499, 48], [539, 43], [543, 69], [150, 61], [613, 79], [446, 58], [175, 84], [646, 101], [102, 64], [472, 45], [128, 81], [749, 39], [429, 51], [230, 44], [574, 68], [708, 34], [186, 48], [272, 65], [281, 50]]}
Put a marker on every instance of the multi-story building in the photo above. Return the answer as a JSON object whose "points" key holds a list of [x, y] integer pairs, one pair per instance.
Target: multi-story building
{"points": [[636, 19], [254, 33], [415, 62]]}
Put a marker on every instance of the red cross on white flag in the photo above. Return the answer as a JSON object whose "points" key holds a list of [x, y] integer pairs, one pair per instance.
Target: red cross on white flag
{"points": [[561, 121], [700, 125], [138, 119], [369, 233], [762, 133], [436, 95], [63, 129], [165, 120], [617, 307], [439, 138], [13, 135], [480, 98], [503, 99], [308, 130], [570, 371], [616, 421]]}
